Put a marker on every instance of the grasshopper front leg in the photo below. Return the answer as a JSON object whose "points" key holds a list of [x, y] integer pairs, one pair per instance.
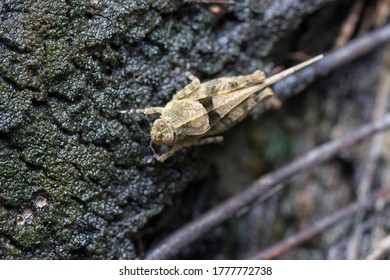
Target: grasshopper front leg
{"points": [[168, 154], [174, 149]]}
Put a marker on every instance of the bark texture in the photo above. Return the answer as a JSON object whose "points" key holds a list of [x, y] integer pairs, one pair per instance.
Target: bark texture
{"points": [[77, 178]]}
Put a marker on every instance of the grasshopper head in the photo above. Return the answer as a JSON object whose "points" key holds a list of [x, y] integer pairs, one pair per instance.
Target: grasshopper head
{"points": [[163, 133]]}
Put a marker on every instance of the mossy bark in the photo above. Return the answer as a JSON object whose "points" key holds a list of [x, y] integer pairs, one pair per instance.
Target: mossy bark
{"points": [[67, 67]]}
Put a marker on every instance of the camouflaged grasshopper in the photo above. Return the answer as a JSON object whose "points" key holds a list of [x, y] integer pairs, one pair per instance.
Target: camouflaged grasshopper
{"points": [[201, 110]]}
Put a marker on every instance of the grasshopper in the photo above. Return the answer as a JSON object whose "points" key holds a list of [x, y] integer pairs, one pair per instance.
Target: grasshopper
{"points": [[200, 111]]}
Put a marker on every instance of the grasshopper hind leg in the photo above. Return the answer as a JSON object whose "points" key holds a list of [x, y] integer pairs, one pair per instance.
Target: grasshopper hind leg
{"points": [[264, 95], [210, 140], [257, 77], [269, 98], [188, 89]]}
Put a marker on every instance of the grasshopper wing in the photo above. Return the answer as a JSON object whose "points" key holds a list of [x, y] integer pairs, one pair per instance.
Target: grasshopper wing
{"points": [[189, 117], [219, 86], [197, 117]]}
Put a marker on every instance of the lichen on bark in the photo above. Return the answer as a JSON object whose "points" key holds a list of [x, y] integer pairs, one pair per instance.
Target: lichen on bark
{"points": [[67, 67]]}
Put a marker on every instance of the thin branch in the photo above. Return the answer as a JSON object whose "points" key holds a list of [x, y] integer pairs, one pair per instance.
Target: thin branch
{"points": [[356, 48], [308, 233], [369, 166], [222, 212], [349, 26], [215, 1], [382, 248], [382, 12]]}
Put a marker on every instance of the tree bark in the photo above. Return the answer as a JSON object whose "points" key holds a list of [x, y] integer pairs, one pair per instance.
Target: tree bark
{"points": [[78, 178]]}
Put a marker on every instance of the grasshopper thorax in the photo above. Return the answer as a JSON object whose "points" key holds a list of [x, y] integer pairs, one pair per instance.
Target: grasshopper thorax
{"points": [[163, 132]]}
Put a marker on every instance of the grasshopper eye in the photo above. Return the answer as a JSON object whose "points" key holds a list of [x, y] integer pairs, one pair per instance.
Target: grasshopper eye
{"points": [[160, 124], [168, 138], [163, 133]]}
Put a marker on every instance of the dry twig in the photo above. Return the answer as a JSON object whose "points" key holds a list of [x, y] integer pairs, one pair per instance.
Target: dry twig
{"points": [[310, 232], [220, 213], [366, 175], [382, 248], [349, 25], [382, 13], [215, 1], [354, 49]]}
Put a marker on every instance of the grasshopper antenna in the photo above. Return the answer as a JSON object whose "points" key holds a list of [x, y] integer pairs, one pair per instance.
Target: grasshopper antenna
{"points": [[279, 76], [130, 111]]}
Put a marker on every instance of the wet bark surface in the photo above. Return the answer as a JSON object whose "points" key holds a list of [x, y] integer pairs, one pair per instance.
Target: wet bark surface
{"points": [[78, 179]]}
